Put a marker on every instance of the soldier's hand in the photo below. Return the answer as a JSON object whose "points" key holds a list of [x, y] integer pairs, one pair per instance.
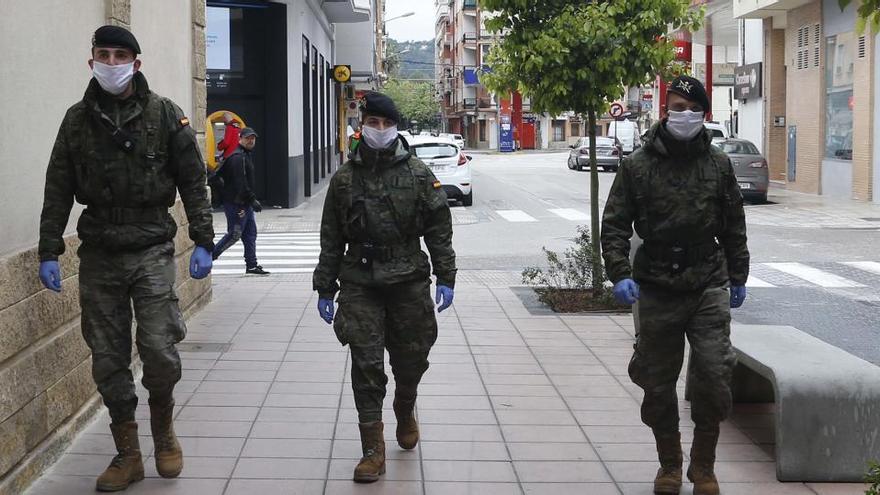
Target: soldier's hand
{"points": [[325, 309], [50, 275], [626, 291], [444, 297], [200, 263], [241, 213], [737, 295]]}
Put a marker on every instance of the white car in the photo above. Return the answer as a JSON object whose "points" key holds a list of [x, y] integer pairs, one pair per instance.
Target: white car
{"points": [[448, 162], [717, 131], [456, 138]]}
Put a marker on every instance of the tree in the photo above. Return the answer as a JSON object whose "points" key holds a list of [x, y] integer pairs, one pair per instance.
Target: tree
{"points": [[579, 55], [869, 13], [415, 100]]}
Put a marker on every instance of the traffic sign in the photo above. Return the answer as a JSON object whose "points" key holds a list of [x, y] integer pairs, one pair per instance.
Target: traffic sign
{"points": [[616, 110]]}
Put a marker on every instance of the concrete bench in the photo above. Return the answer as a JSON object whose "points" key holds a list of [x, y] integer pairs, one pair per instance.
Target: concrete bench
{"points": [[827, 401]]}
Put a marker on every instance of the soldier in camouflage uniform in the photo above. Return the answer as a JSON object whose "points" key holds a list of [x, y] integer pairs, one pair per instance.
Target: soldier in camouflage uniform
{"points": [[681, 194], [125, 152], [378, 206]]}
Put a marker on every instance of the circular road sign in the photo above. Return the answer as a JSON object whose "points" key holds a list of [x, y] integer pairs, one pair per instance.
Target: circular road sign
{"points": [[616, 110], [342, 73]]}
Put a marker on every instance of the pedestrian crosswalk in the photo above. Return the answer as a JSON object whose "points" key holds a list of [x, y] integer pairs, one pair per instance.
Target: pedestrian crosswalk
{"points": [[288, 252], [828, 275]]}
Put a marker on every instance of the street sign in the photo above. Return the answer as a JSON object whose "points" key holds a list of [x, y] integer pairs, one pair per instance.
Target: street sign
{"points": [[342, 73], [616, 110], [351, 109]]}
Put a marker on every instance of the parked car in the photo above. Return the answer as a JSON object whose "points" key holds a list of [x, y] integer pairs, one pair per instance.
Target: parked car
{"points": [[627, 133], [608, 153], [456, 138], [749, 166], [717, 131], [448, 162]]}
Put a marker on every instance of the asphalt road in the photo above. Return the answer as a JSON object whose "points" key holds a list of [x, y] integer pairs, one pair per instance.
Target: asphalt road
{"points": [[524, 202]]}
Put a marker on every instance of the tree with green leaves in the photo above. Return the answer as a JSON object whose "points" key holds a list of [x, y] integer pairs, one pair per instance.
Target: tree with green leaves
{"points": [[416, 100], [577, 55], [869, 14]]}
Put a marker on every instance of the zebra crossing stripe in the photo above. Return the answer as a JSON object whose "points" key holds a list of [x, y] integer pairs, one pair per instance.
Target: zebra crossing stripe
{"points": [[516, 216], [570, 214], [240, 270], [813, 275], [757, 282], [274, 261], [868, 266]]}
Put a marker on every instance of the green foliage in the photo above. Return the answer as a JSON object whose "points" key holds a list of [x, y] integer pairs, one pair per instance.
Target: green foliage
{"points": [[577, 55], [410, 59], [869, 14], [415, 100], [873, 478]]}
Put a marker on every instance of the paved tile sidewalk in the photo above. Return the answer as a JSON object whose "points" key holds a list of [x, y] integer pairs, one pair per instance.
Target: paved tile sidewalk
{"points": [[513, 404]]}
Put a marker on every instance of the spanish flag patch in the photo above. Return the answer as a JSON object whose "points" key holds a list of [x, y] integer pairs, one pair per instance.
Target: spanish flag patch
{"points": [[184, 122], [437, 184]]}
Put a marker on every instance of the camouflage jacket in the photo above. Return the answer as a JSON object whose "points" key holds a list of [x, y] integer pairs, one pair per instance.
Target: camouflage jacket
{"points": [[127, 193], [676, 194], [389, 200]]}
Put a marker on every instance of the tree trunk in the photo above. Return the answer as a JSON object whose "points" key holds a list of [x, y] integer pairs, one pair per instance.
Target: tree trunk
{"points": [[594, 205]]}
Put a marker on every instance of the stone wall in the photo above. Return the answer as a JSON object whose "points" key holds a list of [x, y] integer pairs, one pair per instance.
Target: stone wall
{"points": [[47, 395]]}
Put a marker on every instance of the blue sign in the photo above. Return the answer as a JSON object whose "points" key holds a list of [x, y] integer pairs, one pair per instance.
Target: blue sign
{"points": [[470, 77], [505, 138]]}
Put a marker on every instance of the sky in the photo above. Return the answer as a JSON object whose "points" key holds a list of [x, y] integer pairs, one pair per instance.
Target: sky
{"points": [[418, 27]]}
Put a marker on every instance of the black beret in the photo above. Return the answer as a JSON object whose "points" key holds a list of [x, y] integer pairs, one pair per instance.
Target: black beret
{"points": [[115, 37], [692, 89], [379, 105]]}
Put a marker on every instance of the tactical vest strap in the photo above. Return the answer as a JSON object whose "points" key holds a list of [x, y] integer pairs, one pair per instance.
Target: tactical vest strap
{"points": [[119, 215]]}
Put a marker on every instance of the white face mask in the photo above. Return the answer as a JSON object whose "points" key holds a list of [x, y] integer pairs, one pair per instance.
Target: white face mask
{"points": [[379, 140], [684, 125], [113, 78]]}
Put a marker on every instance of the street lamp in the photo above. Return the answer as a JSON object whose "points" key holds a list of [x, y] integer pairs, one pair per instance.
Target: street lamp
{"points": [[408, 14]]}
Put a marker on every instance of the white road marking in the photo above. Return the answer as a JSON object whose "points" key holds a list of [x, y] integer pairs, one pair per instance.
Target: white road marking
{"points": [[570, 214], [516, 216], [274, 262], [757, 282], [813, 275], [868, 266], [240, 271]]}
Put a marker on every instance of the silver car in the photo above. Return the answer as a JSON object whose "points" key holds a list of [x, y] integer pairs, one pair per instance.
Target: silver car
{"points": [[750, 167], [608, 152]]}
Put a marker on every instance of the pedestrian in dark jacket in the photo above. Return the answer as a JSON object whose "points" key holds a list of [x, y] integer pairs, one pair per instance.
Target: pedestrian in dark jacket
{"points": [[240, 202]]}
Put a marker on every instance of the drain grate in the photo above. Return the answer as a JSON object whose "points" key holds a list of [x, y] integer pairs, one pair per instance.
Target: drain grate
{"points": [[203, 346]]}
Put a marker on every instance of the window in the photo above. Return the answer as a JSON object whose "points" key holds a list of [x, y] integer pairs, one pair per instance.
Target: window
{"points": [[435, 150], [558, 130], [738, 148], [482, 130], [808, 46], [840, 52], [575, 129]]}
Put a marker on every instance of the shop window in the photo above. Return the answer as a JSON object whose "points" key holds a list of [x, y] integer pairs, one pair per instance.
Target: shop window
{"points": [[840, 52], [558, 130]]}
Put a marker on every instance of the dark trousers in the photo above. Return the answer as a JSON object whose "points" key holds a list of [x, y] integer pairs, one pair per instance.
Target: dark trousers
{"points": [[240, 224]]}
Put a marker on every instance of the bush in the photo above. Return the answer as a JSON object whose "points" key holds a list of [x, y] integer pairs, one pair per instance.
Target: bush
{"points": [[567, 284], [873, 478]]}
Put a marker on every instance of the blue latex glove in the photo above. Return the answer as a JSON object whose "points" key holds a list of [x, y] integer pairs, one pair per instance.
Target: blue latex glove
{"points": [[325, 309], [444, 294], [200, 263], [626, 291], [737, 295], [50, 275]]}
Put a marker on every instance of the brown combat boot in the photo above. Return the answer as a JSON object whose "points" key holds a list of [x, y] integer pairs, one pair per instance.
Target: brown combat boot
{"points": [[372, 464], [702, 469], [407, 427], [668, 479], [128, 466], [168, 454]]}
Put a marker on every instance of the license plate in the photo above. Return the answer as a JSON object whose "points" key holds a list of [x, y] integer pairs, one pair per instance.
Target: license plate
{"points": [[745, 185], [438, 168]]}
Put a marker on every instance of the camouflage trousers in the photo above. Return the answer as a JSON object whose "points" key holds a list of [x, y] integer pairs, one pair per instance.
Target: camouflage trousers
{"points": [[110, 284], [665, 319], [399, 318]]}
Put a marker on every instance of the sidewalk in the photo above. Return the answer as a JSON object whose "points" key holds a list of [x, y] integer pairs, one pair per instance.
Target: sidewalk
{"points": [[513, 404]]}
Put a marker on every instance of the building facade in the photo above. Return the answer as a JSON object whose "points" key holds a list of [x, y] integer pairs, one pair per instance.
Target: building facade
{"points": [[819, 110]]}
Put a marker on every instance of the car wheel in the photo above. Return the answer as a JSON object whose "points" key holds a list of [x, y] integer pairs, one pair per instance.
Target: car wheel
{"points": [[570, 166], [468, 199]]}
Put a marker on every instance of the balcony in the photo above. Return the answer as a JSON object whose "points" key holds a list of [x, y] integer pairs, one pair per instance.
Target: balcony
{"points": [[469, 103], [346, 11], [469, 40], [485, 103], [469, 5], [760, 9]]}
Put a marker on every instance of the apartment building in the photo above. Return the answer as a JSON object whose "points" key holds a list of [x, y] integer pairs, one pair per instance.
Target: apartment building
{"points": [[819, 112]]}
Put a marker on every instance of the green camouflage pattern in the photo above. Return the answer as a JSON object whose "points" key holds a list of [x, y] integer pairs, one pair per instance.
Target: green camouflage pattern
{"points": [[388, 198], [397, 317], [665, 318], [676, 193], [87, 165], [109, 282]]}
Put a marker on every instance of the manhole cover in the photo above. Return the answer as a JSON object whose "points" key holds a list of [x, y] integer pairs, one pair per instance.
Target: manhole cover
{"points": [[203, 346]]}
